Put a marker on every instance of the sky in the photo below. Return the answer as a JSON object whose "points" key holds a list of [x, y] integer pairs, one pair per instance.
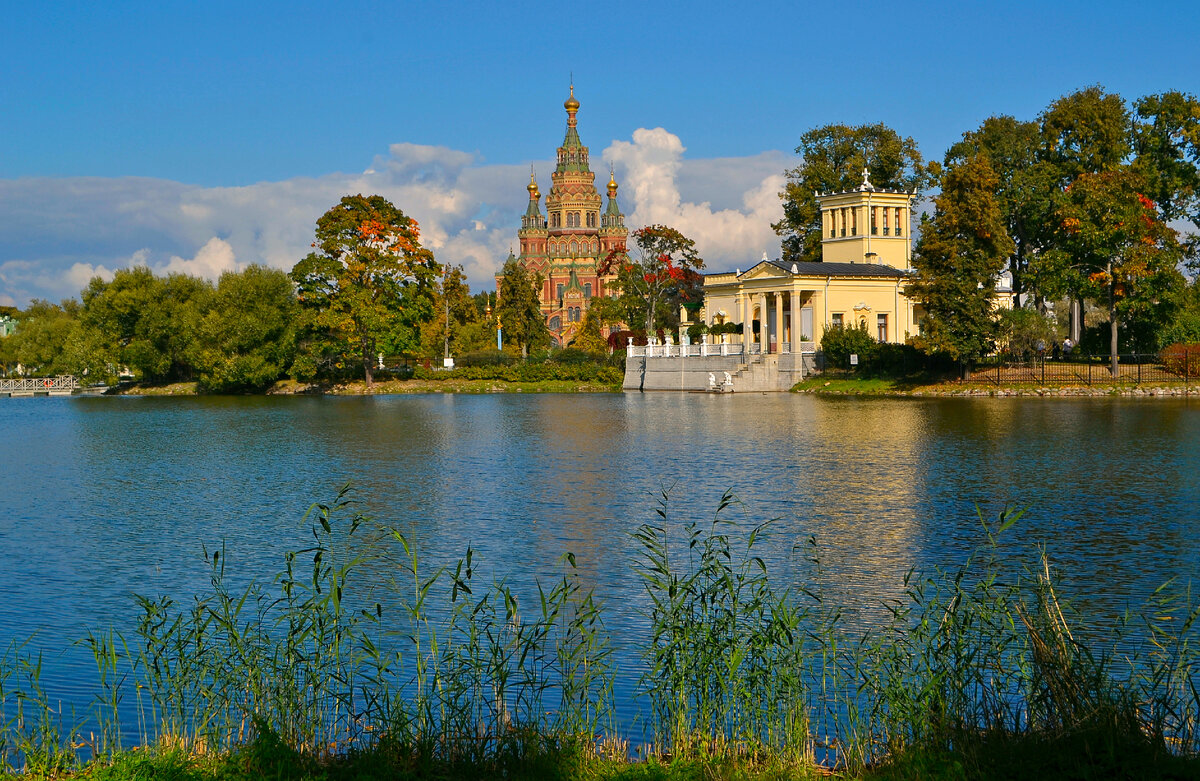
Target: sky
{"points": [[203, 137]]}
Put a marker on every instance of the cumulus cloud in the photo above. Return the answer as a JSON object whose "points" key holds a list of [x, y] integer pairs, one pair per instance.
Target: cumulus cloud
{"points": [[653, 164], [214, 258], [55, 234]]}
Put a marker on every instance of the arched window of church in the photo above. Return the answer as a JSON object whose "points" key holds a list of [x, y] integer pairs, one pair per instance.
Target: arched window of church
{"points": [[591, 219], [574, 248], [555, 323], [560, 290], [587, 289]]}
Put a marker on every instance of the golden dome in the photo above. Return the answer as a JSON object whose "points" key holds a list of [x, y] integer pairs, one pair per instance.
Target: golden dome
{"points": [[571, 104], [533, 187], [612, 181]]}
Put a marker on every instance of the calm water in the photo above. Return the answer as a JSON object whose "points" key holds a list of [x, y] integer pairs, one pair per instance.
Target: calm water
{"points": [[103, 498]]}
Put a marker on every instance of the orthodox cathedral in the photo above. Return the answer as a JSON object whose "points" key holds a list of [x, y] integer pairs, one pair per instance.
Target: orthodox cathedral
{"points": [[566, 247]]}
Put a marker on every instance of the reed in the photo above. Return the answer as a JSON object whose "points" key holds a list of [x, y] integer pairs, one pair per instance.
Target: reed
{"points": [[327, 670]]}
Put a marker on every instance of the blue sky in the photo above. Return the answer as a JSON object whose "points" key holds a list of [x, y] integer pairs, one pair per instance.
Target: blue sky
{"points": [[205, 136]]}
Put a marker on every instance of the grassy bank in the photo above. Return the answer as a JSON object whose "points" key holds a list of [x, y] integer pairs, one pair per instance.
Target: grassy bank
{"points": [[975, 673], [383, 387], [851, 385]]}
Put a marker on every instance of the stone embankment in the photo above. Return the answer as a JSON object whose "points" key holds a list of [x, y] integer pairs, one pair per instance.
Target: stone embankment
{"points": [[982, 392]]}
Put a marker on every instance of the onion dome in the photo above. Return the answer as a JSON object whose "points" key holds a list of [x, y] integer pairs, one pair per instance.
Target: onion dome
{"points": [[571, 104]]}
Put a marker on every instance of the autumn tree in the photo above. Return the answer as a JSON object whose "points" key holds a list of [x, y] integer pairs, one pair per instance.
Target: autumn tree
{"points": [[519, 309], [1166, 140], [1115, 247], [832, 160], [962, 250], [654, 281], [366, 288]]}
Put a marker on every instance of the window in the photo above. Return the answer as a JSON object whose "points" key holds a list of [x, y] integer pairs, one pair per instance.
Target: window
{"points": [[843, 222], [591, 219], [832, 223], [874, 221], [555, 219], [555, 323], [881, 327], [885, 225], [587, 289], [854, 222], [560, 289], [837, 319], [574, 247], [898, 233]]}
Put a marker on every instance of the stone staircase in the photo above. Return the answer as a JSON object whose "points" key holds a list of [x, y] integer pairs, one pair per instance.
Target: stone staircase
{"points": [[761, 374]]}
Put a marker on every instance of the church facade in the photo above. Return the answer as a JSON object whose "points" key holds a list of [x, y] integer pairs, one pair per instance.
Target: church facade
{"points": [[566, 247]]}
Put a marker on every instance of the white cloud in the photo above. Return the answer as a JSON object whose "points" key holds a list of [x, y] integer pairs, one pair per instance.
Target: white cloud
{"points": [[214, 258], [653, 165], [57, 233]]}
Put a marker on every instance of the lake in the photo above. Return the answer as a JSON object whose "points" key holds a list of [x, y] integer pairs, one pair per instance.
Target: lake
{"points": [[105, 498]]}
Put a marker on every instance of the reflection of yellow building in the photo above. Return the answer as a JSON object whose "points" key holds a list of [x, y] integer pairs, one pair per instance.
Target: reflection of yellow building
{"points": [[866, 253]]}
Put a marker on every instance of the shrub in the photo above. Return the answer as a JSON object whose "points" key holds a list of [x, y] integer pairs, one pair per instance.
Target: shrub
{"points": [[1182, 359], [725, 328], [573, 356], [486, 358], [619, 340], [840, 342]]}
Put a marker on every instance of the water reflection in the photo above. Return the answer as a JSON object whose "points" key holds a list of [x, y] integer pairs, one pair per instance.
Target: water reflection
{"points": [[107, 497]]}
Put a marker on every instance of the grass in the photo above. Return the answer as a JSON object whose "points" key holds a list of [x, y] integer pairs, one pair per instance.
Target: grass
{"points": [[975, 673]]}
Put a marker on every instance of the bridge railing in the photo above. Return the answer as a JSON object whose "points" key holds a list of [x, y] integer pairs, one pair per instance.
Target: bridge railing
{"points": [[39, 384]]}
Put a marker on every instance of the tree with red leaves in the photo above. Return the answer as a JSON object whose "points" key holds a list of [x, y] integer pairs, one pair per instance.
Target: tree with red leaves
{"points": [[657, 280]]}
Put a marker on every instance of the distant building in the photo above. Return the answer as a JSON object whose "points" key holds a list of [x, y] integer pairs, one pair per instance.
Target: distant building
{"points": [[567, 246], [7, 326], [866, 260]]}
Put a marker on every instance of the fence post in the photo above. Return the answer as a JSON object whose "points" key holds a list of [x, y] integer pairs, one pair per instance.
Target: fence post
{"points": [[1043, 371], [1089, 365], [1139, 365]]}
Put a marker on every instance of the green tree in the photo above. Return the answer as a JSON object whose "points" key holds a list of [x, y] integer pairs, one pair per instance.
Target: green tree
{"points": [[654, 282], [1167, 148], [519, 309], [366, 288], [839, 342], [1020, 330], [1115, 246], [454, 310], [1026, 189], [44, 330], [832, 160], [248, 334], [1086, 132], [961, 252], [146, 323]]}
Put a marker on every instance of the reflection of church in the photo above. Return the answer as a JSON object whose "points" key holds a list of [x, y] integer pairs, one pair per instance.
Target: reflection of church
{"points": [[566, 247]]}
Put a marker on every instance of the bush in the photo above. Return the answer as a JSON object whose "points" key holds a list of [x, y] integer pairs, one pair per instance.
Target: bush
{"points": [[529, 372], [573, 356], [840, 342], [619, 340], [725, 328], [697, 330], [1182, 359], [486, 358]]}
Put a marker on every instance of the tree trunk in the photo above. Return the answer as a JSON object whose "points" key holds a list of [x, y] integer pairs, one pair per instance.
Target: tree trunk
{"points": [[368, 371], [1112, 323]]}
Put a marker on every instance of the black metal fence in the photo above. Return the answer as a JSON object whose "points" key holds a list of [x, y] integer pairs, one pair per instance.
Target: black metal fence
{"points": [[1167, 367]]}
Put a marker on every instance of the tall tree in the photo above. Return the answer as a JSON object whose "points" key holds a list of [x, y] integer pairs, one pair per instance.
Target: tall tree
{"points": [[248, 333], [147, 323], [368, 282], [453, 310], [1116, 247], [519, 309], [1086, 132], [661, 275], [1167, 148], [1026, 189], [832, 160], [962, 250]]}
